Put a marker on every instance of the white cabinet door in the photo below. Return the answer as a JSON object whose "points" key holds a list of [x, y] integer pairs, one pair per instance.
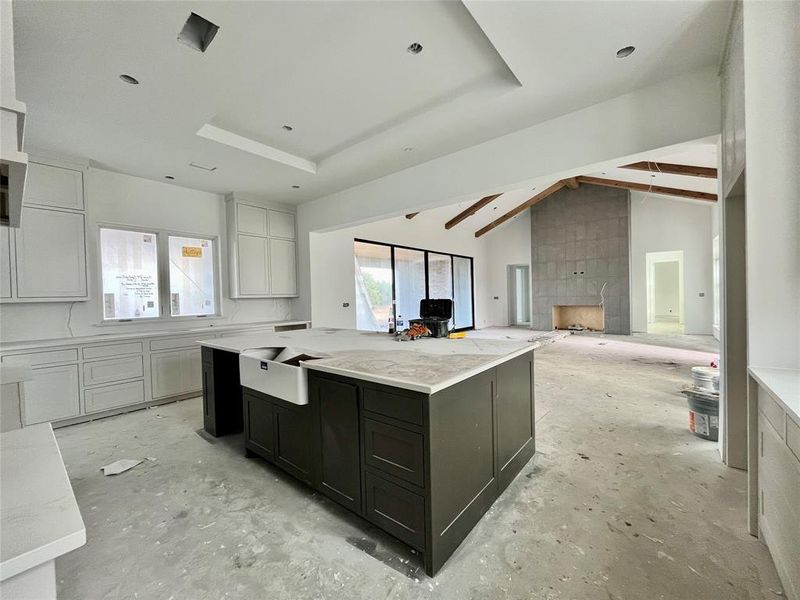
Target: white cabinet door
{"points": [[112, 396], [251, 219], [5, 262], [253, 267], [193, 370], [54, 186], [166, 373], [50, 254], [52, 394], [175, 373], [282, 267], [281, 224]]}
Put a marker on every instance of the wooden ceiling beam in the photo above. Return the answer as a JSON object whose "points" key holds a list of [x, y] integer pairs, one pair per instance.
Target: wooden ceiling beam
{"points": [[644, 187], [524, 206], [673, 169], [571, 183], [471, 210], [410, 216]]}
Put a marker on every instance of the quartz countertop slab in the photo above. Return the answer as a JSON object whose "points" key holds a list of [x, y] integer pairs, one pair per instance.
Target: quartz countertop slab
{"points": [[116, 336], [427, 365], [40, 519], [783, 384]]}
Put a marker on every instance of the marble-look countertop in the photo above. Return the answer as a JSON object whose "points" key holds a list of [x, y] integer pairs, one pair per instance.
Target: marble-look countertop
{"points": [[39, 519], [783, 384], [427, 365], [141, 334]]}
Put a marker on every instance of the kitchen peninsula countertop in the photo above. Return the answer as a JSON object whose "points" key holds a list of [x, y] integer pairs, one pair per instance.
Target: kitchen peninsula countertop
{"points": [[426, 365]]}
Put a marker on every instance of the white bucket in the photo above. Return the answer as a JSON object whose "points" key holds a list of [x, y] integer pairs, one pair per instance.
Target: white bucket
{"points": [[706, 378]]}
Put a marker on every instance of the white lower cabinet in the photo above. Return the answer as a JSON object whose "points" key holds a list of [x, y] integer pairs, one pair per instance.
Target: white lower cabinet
{"points": [[113, 396], [114, 369], [52, 394], [175, 373]]}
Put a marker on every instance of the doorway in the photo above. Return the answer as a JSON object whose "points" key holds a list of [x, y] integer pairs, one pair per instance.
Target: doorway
{"points": [[665, 305], [519, 296]]}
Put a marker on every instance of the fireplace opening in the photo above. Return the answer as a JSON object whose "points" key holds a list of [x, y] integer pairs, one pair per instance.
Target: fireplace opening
{"points": [[579, 317]]}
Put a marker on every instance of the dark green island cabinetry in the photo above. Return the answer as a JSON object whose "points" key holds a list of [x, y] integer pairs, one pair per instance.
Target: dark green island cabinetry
{"points": [[422, 467]]}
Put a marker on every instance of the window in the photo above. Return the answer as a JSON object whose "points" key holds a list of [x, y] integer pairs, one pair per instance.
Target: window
{"points": [[130, 274], [191, 276], [391, 280], [143, 272]]}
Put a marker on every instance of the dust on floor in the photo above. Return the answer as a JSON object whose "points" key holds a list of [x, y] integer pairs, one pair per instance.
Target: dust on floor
{"points": [[621, 502]]}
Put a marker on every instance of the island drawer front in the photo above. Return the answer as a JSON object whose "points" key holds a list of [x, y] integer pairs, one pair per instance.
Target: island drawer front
{"points": [[35, 359], [113, 396], [102, 351], [394, 451], [113, 369], [187, 341], [396, 510], [404, 407]]}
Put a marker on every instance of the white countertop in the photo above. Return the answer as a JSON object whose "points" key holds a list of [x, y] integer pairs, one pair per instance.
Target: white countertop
{"points": [[116, 336], [39, 517], [783, 384], [427, 365]]}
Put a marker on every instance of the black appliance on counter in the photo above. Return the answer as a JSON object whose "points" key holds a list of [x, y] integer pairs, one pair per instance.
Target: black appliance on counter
{"points": [[435, 315]]}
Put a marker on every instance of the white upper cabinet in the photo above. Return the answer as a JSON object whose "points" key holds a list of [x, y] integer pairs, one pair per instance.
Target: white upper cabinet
{"points": [[54, 186], [50, 254], [281, 224], [5, 262], [44, 260], [282, 267], [261, 249], [251, 219], [732, 84], [253, 266]]}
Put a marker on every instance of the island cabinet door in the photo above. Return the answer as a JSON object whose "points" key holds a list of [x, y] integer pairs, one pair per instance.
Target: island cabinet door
{"points": [[259, 425], [514, 418], [336, 448], [292, 435]]}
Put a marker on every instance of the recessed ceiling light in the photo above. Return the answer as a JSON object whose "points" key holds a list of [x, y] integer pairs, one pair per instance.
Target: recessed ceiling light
{"points": [[407, 148], [295, 187], [414, 48], [129, 79], [625, 52], [287, 127], [170, 177]]}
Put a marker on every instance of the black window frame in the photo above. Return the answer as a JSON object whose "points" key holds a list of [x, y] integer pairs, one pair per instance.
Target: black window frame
{"points": [[427, 286]]}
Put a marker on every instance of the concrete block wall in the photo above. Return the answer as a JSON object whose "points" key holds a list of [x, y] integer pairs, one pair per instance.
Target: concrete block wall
{"points": [[579, 241]]}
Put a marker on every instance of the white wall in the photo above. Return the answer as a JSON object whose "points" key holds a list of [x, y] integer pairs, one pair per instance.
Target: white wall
{"points": [[675, 111], [510, 244], [772, 123], [333, 271], [113, 198], [661, 224]]}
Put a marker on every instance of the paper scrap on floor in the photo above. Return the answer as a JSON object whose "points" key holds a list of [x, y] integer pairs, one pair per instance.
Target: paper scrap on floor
{"points": [[120, 466]]}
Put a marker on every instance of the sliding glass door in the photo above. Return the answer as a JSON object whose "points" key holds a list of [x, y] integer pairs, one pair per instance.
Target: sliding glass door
{"points": [[409, 282], [391, 280]]}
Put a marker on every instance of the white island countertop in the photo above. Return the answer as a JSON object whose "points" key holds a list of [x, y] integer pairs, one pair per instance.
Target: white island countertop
{"points": [[39, 519], [783, 384], [427, 365]]}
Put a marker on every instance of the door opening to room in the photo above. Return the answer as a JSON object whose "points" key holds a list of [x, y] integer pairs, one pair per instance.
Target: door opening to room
{"points": [[665, 292], [519, 296]]}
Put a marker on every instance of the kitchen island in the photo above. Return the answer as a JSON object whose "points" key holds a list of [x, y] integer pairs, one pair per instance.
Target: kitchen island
{"points": [[419, 438]]}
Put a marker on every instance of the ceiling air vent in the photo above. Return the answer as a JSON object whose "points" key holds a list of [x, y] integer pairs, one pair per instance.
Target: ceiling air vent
{"points": [[197, 32]]}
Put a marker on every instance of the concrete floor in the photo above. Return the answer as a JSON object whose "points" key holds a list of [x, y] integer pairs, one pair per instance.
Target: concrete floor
{"points": [[621, 502]]}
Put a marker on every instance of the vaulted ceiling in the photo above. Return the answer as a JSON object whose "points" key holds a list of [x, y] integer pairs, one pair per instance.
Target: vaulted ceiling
{"points": [[339, 73]]}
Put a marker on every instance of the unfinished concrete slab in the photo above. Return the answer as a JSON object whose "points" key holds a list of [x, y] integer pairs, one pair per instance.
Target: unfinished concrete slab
{"points": [[622, 501]]}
